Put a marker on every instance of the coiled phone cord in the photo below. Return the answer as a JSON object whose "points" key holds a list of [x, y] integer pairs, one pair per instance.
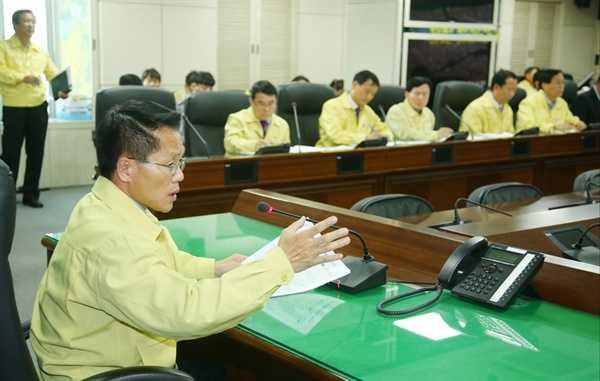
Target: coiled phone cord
{"points": [[435, 286]]}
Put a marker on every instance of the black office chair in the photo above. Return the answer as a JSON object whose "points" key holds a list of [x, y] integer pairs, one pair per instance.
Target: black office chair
{"points": [[208, 112], [457, 95], [504, 192], [393, 205], [593, 175], [309, 99], [14, 353], [386, 97], [520, 94], [570, 91]]}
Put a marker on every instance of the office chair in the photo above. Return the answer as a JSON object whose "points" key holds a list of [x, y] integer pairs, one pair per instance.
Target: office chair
{"points": [[386, 97], [504, 192], [14, 353], [593, 175], [457, 95], [570, 91], [208, 112], [520, 94], [309, 99], [393, 205]]}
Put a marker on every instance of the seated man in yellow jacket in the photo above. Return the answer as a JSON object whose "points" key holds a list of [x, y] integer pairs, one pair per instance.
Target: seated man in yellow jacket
{"points": [[257, 126], [491, 113], [412, 119], [118, 292], [546, 109], [528, 82], [347, 119]]}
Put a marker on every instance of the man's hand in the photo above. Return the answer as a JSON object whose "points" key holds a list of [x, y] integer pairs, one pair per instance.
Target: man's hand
{"points": [[260, 143], [566, 126], [303, 249], [228, 264], [32, 80], [444, 132], [580, 125], [62, 95], [375, 135]]}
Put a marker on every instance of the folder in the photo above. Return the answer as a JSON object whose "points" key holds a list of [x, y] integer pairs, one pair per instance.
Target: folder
{"points": [[61, 82]]}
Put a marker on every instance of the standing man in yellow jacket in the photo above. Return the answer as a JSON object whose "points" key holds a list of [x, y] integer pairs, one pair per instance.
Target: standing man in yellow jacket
{"points": [[24, 106], [546, 109], [257, 126], [491, 113], [347, 119], [118, 292]]}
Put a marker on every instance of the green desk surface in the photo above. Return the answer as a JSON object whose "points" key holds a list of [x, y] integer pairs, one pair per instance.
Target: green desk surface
{"points": [[450, 340]]}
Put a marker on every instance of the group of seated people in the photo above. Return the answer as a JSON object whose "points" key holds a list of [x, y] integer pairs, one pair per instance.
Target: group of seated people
{"points": [[348, 120]]}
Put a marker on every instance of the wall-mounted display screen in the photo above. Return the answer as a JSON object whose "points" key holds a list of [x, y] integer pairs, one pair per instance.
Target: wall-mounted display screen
{"points": [[444, 58], [469, 11]]}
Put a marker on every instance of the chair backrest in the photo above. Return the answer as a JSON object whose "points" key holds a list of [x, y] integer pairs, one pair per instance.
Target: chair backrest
{"points": [[570, 91], [109, 97], [309, 99], [393, 205], [208, 112], [457, 95], [593, 175], [386, 97], [520, 94], [13, 349], [504, 192]]}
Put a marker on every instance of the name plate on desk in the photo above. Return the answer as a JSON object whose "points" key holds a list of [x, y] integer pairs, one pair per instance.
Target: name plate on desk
{"points": [[442, 155], [589, 142], [241, 172], [350, 163], [520, 148]]}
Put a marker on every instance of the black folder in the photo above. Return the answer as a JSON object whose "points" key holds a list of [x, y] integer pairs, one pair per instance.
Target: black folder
{"points": [[61, 82]]}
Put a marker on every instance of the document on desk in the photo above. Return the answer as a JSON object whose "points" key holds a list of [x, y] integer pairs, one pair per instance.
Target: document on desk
{"points": [[308, 279]]}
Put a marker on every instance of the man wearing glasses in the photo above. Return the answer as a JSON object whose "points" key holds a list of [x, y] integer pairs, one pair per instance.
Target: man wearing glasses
{"points": [[118, 293], [257, 126]]}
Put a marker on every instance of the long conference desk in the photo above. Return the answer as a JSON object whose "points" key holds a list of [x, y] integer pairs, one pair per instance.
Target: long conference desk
{"points": [[551, 332], [440, 172]]}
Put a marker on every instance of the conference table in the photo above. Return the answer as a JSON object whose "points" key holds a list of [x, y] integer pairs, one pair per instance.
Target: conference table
{"points": [[439, 172], [328, 335], [528, 224]]}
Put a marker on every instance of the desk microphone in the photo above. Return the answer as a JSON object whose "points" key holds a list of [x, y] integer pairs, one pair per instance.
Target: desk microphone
{"points": [[458, 221], [588, 195], [364, 274], [187, 121], [385, 121], [447, 107], [297, 126], [587, 254]]}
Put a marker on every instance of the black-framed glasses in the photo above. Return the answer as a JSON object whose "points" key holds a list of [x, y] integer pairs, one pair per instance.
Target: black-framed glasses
{"points": [[172, 167]]}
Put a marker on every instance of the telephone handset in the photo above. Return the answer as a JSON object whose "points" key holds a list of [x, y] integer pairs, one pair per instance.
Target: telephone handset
{"points": [[492, 274]]}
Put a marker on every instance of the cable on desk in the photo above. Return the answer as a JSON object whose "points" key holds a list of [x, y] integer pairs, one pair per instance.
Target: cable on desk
{"points": [[433, 287]]}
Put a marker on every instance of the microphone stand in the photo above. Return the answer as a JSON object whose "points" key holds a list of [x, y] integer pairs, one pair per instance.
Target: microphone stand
{"points": [[197, 133], [385, 121], [297, 127], [458, 221], [455, 114]]}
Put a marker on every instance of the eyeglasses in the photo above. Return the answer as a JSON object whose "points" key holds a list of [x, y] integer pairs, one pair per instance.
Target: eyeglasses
{"points": [[172, 167]]}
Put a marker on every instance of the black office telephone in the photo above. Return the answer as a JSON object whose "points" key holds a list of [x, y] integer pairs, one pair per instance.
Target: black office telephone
{"points": [[492, 274]]}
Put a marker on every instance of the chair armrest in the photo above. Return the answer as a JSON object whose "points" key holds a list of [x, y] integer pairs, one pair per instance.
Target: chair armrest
{"points": [[26, 326], [142, 373]]}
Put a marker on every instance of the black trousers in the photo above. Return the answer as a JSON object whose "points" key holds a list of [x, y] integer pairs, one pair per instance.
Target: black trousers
{"points": [[29, 124]]}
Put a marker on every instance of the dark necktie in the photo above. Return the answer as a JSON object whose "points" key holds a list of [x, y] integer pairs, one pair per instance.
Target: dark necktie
{"points": [[357, 110], [264, 125]]}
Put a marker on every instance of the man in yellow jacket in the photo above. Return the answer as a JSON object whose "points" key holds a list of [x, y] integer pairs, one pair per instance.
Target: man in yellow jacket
{"points": [[491, 113], [257, 126], [546, 109], [118, 292], [347, 119], [25, 110], [528, 83]]}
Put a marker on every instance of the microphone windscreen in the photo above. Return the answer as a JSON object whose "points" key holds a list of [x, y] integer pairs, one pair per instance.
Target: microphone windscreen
{"points": [[263, 207]]}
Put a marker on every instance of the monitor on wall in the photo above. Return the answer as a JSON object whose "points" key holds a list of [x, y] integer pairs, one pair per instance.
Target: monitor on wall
{"points": [[448, 57], [479, 14]]}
